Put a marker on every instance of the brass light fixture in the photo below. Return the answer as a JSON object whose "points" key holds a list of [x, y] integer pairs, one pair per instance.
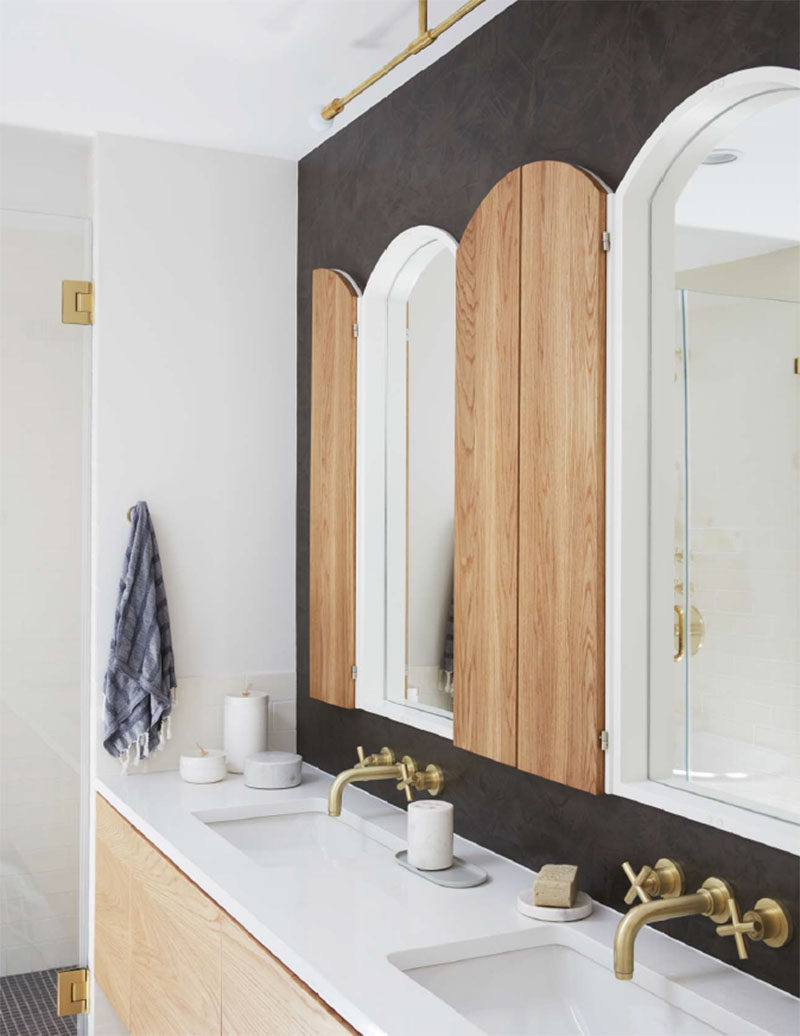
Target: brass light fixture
{"points": [[424, 38]]}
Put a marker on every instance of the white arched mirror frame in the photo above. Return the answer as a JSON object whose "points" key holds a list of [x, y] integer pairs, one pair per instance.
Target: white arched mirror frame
{"points": [[643, 215], [382, 334]]}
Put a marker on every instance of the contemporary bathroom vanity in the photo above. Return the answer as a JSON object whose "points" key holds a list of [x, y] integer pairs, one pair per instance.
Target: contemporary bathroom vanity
{"points": [[222, 908]]}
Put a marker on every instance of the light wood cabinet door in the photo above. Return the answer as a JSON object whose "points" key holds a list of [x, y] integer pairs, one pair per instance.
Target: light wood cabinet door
{"points": [[530, 476], [562, 476], [332, 515], [487, 476], [260, 996], [112, 910], [175, 953]]}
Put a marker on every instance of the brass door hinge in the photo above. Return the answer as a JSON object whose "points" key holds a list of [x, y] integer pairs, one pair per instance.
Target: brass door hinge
{"points": [[73, 992], [77, 302]]}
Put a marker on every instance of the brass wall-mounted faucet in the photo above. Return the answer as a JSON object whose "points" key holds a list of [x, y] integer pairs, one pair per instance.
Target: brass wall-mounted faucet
{"points": [[768, 921], [382, 766]]}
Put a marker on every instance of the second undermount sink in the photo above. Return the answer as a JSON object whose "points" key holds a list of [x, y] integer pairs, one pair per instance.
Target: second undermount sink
{"points": [[292, 833], [546, 983]]}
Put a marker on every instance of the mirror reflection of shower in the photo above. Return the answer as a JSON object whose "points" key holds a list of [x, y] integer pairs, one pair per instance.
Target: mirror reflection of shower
{"points": [[735, 711]]}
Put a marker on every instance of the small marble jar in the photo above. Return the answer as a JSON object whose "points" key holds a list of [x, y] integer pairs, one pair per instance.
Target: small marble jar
{"points": [[203, 768], [273, 770], [430, 835]]}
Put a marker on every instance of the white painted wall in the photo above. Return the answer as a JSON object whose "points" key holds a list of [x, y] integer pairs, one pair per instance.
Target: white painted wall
{"points": [[45, 172], [194, 411], [44, 397]]}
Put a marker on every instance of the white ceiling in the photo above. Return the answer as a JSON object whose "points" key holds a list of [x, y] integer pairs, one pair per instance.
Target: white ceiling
{"points": [[759, 194], [238, 75]]}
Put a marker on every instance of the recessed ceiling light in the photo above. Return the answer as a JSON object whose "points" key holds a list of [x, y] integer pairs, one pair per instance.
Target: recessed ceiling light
{"points": [[721, 156]]}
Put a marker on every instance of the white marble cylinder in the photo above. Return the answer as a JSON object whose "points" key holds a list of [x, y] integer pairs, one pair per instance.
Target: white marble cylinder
{"points": [[203, 767], [246, 727], [430, 835]]}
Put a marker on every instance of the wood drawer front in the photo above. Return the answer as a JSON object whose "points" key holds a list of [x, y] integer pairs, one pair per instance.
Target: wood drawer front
{"points": [[175, 948], [171, 961], [112, 917], [260, 995]]}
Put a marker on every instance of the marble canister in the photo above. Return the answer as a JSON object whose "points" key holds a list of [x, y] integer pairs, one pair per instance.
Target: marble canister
{"points": [[206, 766], [430, 835], [246, 727]]}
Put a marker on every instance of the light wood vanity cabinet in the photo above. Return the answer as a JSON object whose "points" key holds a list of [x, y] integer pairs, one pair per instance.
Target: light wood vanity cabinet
{"points": [[171, 961]]}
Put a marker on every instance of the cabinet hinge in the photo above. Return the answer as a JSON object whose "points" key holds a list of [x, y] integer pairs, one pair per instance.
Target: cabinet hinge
{"points": [[354, 672], [355, 330], [72, 992], [77, 302], [604, 740], [606, 241]]}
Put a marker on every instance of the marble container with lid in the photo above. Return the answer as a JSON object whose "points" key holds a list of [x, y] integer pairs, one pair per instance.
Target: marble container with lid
{"points": [[273, 770]]}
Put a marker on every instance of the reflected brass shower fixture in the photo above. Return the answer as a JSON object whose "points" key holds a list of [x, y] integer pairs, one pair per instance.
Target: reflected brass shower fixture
{"points": [[425, 37]]}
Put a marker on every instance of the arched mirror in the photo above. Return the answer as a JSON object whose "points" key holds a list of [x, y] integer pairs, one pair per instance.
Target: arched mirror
{"points": [[406, 475], [705, 441], [725, 579]]}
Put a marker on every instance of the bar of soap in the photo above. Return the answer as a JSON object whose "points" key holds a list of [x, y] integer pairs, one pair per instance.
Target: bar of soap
{"points": [[556, 885]]}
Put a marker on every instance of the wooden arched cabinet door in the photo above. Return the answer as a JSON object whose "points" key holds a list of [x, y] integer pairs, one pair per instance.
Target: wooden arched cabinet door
{"points": [[530, 476], [332, 502], [486, 543]]}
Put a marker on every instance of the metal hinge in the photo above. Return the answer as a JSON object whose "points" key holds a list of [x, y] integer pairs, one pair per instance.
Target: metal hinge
{"points": [[77, 302], [604, 740], [354, 672], [606, 241], [355, 330], [72, 992]]}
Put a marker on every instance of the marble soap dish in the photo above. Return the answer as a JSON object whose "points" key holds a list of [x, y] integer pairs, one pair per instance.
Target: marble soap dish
{"points": [[461, 875], [582, 907]]}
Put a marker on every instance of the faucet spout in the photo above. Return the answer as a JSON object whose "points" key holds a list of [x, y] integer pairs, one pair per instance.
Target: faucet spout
{"points": [[361, 773], [703, 902]]}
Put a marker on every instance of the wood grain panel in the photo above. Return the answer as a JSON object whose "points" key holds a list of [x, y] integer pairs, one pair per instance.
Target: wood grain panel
{"points": [[562, 476], [486, 473], [112, 917], [332, 506], [260, 995], [175, 952]]}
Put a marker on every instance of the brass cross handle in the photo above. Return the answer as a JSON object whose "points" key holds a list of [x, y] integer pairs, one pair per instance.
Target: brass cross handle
{"points": [[768, 921], [665, 880], [407, 782], [385, 757], [738, 928], [431, 779]]}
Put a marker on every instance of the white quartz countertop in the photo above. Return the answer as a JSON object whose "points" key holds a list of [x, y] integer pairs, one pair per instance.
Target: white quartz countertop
{"points": [[336, 923]]}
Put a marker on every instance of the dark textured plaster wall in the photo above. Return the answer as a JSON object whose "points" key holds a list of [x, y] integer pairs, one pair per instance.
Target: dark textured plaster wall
{"points": [[586, 83]]}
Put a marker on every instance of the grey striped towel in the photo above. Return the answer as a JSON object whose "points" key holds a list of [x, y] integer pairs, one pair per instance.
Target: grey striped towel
{"points": [[140, 678]]}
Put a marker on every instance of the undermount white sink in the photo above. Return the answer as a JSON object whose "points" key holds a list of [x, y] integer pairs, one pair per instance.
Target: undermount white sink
{"points": [[549, 982], [292, 833]]}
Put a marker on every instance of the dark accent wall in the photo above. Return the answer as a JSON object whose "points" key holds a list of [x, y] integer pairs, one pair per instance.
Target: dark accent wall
{"points": [[585, 83]]}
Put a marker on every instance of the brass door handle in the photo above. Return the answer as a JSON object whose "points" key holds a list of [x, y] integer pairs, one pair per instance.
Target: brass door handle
{"points": [[680, 633]]}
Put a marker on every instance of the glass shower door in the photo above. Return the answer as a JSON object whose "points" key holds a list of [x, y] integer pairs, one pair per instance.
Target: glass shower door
{"points": [[44, 408], [736, 682]]}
